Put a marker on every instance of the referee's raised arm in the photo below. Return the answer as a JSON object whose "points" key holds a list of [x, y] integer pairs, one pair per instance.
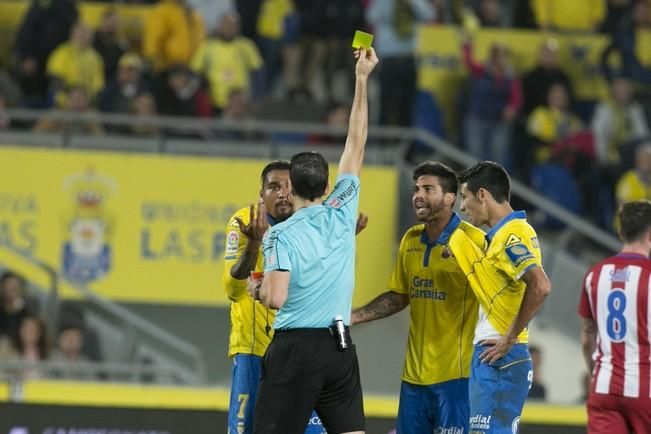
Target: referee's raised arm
{"points": [[353, 155]]}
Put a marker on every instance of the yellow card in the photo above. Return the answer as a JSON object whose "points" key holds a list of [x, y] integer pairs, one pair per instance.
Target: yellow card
{"points": [[362, 40]]}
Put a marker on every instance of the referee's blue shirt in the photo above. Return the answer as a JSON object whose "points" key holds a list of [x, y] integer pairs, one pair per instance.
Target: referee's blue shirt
{"points": [[317, 245]]}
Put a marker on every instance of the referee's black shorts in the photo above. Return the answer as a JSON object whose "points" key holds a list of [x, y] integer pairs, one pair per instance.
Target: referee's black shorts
{"points": [[302, 371]]}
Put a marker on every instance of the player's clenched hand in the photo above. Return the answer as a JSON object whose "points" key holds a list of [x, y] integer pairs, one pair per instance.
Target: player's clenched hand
{"points": [[366, 61], [258, 223], [253, 287], [362, 222], [497, 348]]}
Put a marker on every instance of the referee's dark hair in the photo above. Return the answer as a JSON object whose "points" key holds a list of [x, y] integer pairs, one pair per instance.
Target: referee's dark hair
{"points": [[308, 173], [274, 165], [447, 177], [490, 176], [634, 220]]}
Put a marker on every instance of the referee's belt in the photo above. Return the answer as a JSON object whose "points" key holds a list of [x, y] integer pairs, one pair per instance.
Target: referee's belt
{"points": [[315, 331]]}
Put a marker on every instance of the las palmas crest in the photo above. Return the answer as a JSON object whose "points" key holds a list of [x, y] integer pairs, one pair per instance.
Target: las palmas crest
{"points": [[86, 253]]}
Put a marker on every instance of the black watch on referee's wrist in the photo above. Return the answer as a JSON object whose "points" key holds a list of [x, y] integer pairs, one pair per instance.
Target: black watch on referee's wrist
{"points": [[257, 292]]}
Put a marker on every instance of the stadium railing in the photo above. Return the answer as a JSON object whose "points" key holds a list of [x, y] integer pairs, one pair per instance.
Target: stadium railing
{"points": [[171, 358]]}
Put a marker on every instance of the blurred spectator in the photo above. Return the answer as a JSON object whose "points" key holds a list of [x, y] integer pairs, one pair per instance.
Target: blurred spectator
{"points": [[274, 36], [537, 390], [9, 90], [237, 109], [144, 105], [305, 64], [537, 81], [180, 94], [45, 26], [574, 15], [249, 11], [69, 351], [535, 87], [617, 15], [76, 63], [212, 11], [71, 313], [495, 98], [173, 32], [7, 351], [32, 344], [343, 17], [552, 122], [617, 123], [635, 184], [394, 23], [523, 16], [119, 94], [624, 42], [336, 117], [14, 305], [229, 61], [108, 43], [490, 13], [76, 102]]}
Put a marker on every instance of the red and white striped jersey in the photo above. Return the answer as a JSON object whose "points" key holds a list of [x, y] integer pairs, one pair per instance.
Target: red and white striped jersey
{"points": [[615, 295]]}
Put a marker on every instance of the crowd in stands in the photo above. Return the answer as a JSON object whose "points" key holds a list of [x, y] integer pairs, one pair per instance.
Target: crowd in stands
{"points": [[210, 59], [26, 340]]}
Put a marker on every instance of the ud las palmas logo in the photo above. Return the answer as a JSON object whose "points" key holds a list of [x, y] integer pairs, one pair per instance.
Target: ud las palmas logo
{"points": [[88, 226]]}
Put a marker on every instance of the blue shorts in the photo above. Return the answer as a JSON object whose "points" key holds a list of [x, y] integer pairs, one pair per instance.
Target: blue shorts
{"points": [[441, 407], [498, 391], [244, 389]]}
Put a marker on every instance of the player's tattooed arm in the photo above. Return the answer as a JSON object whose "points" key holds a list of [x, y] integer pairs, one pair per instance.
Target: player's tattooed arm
{"points": [[384, 305], [243, 267], [588, 341]]}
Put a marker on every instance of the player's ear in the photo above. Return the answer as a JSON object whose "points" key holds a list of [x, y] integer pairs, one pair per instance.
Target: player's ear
{"points": [[482, 194], [449, 199]]}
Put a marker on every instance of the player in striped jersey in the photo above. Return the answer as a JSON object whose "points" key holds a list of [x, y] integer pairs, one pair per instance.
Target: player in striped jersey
{"points": [[616, 310]]}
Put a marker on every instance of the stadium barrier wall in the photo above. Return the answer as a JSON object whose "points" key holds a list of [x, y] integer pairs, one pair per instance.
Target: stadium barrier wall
{"points": [[50, 407]]}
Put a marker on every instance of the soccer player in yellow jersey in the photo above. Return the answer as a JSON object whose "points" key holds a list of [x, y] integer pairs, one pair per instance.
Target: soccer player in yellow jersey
{"points": [[443, 311], [250, 321], [504, 269]]}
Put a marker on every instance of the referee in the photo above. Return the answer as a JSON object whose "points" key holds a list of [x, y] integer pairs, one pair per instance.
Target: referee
{"points": [[309, 276]]}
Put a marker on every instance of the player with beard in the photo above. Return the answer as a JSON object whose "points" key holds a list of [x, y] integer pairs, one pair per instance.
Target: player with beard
{"points": [[443, 313]]}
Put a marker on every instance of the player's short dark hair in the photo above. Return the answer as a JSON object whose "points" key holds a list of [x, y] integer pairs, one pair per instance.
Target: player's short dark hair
{"points": [[309, 175], [634, 220], [274, 165], [447, 177], [490, 176]]}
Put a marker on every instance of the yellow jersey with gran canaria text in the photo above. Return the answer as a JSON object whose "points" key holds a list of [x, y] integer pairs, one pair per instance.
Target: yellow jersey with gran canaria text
{"points": [[443, 308], [251, 322], [494, 265]]}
